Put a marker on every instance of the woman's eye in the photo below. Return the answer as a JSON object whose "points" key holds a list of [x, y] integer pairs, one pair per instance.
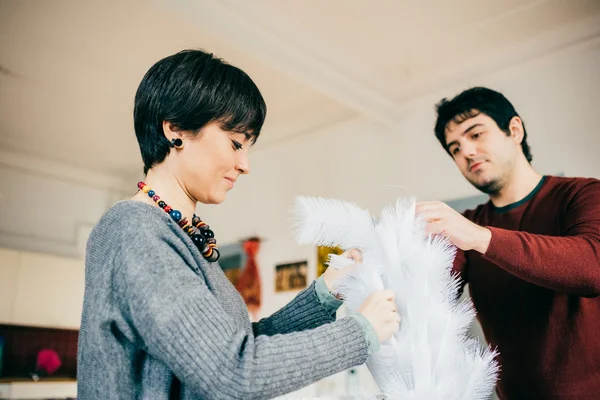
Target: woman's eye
{"points": [[237, 145]]}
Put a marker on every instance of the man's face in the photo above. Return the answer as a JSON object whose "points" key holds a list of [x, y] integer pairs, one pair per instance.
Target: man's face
{"points": [[483, 152]]}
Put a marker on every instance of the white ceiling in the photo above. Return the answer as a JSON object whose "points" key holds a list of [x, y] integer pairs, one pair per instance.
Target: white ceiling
{"points": [[71, 68], [396, 46]]}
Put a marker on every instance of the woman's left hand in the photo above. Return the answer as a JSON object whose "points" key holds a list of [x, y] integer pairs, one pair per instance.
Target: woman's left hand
{"points": [[331, 274]]}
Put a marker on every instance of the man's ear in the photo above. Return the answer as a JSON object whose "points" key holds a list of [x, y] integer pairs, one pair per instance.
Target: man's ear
{"points": [[515, 127]]}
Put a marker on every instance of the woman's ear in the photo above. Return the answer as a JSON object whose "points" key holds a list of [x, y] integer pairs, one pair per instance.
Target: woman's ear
{"points": [[171, 131], [173, 135]]}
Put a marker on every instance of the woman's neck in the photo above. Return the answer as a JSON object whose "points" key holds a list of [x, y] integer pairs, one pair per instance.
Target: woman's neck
{"points": [[166, 186]]}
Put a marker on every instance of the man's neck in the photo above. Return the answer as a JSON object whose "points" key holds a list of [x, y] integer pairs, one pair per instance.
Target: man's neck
{"points": [[165, 185], [522, 181]]}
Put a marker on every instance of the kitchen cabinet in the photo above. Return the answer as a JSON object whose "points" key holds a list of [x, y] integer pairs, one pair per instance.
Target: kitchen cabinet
{"points": [[47, 290], [43, 389]]}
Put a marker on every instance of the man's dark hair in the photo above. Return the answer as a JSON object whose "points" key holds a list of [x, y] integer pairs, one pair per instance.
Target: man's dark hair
{"points": [[475, 101], [191, 89]]}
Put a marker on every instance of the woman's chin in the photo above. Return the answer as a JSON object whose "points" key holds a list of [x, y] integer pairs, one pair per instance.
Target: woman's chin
{"points": [[216, 198]]}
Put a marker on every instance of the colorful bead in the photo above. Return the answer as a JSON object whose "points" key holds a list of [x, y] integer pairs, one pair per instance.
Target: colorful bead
{"points": [[201, 236], [198, 239], [175, 214], [214, 256]]}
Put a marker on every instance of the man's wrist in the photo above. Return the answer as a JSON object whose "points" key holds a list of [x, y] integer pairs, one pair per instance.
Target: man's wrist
{"points": [[484, 239]]}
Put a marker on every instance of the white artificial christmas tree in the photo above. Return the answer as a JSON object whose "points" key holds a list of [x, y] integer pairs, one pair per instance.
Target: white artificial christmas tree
{"points": [[431, 357]]}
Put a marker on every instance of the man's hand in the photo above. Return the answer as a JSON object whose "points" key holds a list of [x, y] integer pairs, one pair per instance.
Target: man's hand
{"points": [[464, 234]]}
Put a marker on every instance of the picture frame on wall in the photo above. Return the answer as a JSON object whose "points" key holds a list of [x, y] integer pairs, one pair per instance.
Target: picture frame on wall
{"points": [[291, 276], [323, 253]]}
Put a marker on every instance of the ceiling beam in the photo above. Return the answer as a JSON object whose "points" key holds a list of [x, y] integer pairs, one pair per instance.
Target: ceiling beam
{"points": [[241, 31], [59, 171], [564, 40]]}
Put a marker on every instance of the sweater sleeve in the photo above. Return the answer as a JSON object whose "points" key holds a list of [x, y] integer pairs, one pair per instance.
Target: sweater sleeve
{"points": [[181, 323], [569, 263], [309, 309]]}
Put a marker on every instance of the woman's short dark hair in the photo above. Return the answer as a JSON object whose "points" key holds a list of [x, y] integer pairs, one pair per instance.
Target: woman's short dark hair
{"points": [[475, 101], [191, 89]]}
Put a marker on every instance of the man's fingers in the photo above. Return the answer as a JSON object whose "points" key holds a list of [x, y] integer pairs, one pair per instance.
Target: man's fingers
{"points": [[429, 215], [428, 211], [426, 206], [436, 227]]}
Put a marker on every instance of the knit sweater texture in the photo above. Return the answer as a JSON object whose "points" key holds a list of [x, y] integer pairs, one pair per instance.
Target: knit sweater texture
{"points": [[160, 322], [536, 290]]}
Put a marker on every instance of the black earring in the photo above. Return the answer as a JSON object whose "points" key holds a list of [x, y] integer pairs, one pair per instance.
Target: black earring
{"points": [[177, 143]]}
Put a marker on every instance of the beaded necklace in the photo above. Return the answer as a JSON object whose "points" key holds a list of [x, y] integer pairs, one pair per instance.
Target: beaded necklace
{"points": [[198, 231]]}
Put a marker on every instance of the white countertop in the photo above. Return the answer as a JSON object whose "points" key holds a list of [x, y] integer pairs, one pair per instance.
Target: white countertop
{"points": [[24, 389]]}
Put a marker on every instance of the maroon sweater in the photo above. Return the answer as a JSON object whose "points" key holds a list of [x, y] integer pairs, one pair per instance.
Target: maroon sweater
{"points": [[536, 289]]}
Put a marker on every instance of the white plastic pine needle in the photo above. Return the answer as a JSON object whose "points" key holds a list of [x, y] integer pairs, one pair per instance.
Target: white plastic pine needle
{"points": [[431, 357], [332, 222]]}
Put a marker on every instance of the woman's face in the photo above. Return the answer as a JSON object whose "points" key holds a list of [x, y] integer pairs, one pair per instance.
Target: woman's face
{"points": [[209, 163]]}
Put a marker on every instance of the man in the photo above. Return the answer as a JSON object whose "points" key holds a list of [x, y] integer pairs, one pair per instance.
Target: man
{"points": [[531, 255]]}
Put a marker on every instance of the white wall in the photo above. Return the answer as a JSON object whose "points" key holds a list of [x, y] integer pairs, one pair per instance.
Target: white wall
{"points": [[49, 207]]}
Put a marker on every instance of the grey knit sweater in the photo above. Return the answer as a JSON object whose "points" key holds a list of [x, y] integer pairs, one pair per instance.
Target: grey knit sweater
{"points": [[159, 322]]}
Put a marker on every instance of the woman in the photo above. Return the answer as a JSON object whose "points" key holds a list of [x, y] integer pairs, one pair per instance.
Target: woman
{"points": [[160, 319]]}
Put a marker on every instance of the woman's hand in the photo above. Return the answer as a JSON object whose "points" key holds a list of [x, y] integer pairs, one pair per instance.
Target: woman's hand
{"points": [[380, 310], [332, 274]]}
